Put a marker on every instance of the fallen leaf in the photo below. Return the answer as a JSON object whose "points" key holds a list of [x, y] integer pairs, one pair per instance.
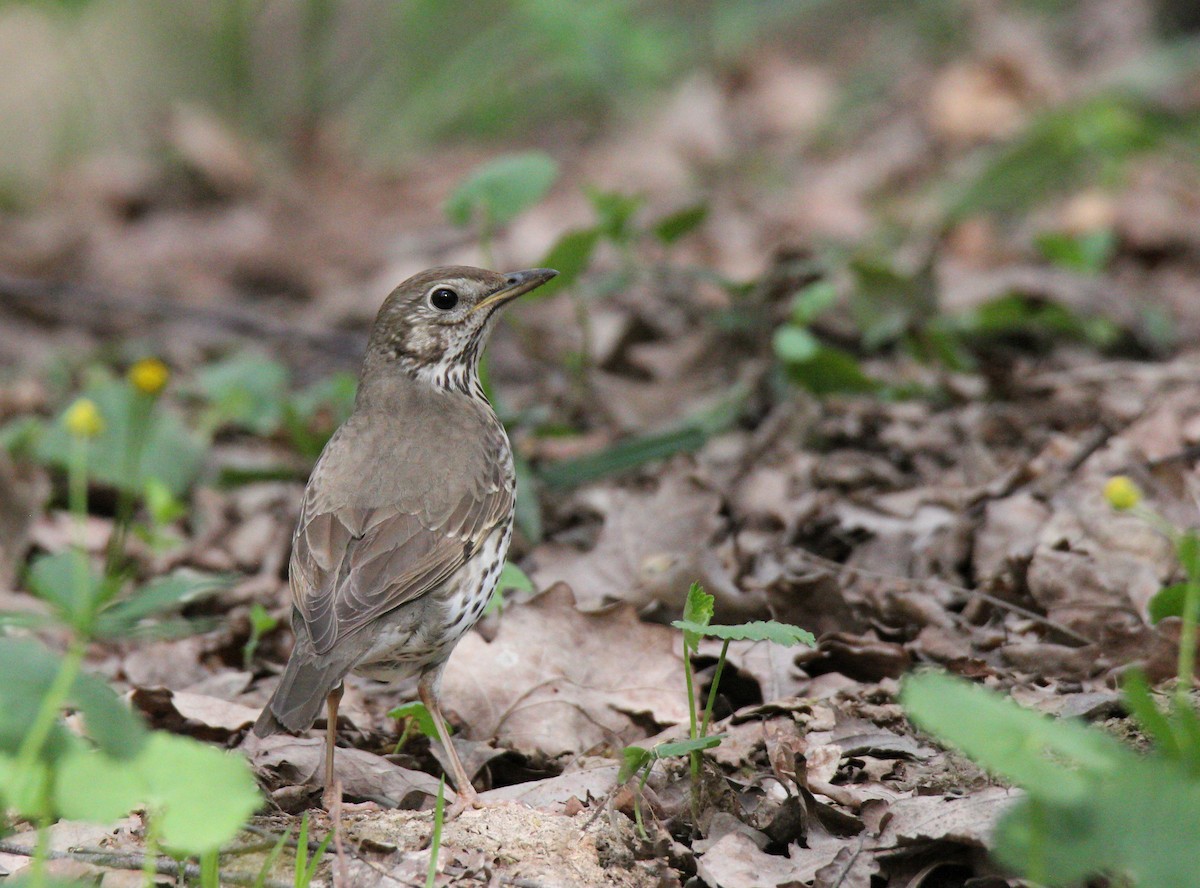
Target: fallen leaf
{"points": [[555, 680], [736, 862], [294, 761]]}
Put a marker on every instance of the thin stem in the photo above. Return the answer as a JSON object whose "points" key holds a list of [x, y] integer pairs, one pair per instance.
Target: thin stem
{"points": [[150, 863], [712, 689], [694, 756], [135, 439], [41, 848], [47, 715], [435, 843], [637, 805], [691, 692], [1187, 639]]}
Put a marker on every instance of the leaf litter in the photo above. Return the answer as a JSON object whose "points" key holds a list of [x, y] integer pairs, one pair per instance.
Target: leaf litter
{"points": [[965, 529]]}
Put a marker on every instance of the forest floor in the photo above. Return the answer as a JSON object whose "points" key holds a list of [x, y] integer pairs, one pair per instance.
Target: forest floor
{"points": [[948, 513]]}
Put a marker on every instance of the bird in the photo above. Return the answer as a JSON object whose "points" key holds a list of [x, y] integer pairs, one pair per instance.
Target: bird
{"points": [[407, 517]]}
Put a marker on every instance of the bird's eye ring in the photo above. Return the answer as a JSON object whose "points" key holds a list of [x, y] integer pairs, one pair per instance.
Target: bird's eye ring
{"points": [[443, 299]]}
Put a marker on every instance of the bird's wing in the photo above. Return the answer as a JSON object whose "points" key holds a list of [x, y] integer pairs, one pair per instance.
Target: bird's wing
{"points": [[352, 565]]}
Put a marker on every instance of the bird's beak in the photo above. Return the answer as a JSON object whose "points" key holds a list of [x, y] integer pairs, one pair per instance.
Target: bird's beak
{"points": [[516, 284]]}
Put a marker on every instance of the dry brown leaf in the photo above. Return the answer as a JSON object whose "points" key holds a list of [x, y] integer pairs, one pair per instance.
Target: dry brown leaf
{"points": [[555, 680], [652, 546], [968, 820], [735, 861], [295, 761]]}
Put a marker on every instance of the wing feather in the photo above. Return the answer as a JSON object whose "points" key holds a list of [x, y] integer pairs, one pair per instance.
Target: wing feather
{"points": [[350, 566]]}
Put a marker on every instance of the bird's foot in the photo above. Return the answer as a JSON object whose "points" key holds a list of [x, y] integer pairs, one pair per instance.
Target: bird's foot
{"points": [[463, 801]]}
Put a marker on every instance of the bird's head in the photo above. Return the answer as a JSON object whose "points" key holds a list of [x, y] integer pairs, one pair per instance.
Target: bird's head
{"points": [[434, 325]]}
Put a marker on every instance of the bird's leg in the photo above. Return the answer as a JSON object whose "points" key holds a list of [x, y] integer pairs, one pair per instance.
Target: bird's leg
{"points": [[331, 795], [427, 691]]}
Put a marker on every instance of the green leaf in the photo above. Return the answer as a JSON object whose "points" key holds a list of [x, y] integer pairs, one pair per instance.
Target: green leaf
{"points": [[1062, 150], [92, 786], [1087, 253], [21, 789], [757, 630], [512, 577], [795, 345], [1058, 760], [502, 189], [622, 457], [831, 371], [160, 596], [200, 795], [246, 390], [164, 507], [1153, 721], [169, 451], [424, 718], [686, 747], [67, 582], [529, 505], [812, 301], [570, 257], [886, 303], [1168, 602], [28, 669], [633, 759], [115, 728], [697, 612], [1139, 823], [614, 213], [261, 622], [671, 228], [1017, 314]]}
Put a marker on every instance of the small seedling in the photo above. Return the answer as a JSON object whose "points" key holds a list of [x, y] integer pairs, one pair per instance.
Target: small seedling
{"points": [[261, 623], [637, 759], [415, 717], [696, 624]]}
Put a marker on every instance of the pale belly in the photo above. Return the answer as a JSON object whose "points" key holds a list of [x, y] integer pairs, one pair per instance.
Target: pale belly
{"points": [[423, 634]]}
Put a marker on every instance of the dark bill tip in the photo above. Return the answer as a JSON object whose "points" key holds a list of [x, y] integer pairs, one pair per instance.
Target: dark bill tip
{"points": [[528, 279]]}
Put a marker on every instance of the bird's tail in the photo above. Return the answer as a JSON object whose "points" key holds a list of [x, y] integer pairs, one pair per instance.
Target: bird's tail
{"points": [[301, 693]]}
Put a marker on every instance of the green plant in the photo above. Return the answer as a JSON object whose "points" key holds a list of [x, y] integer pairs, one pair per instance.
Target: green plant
{"points": [[820, 368], [435, 841], [261, 623], [1092, 805], [499, 191], [511, 577], [697, 624], [1086, 253], [306, 866], [252, 392], [414, 716], [46, 770], [269, 861]]}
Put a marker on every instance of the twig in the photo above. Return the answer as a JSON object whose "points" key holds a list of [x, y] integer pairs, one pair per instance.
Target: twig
{"points": [[131, 860]]}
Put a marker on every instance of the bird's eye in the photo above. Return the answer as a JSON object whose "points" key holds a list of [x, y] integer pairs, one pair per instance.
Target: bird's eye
{"points": [[443, 299]]}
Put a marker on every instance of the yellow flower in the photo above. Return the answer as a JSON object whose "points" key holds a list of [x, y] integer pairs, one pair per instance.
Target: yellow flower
{"points": [[149, 375], [1122, 493], [83, 419]]}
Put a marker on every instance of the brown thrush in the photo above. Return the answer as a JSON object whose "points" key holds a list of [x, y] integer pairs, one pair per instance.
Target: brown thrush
{"points": [[408, 513]]}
